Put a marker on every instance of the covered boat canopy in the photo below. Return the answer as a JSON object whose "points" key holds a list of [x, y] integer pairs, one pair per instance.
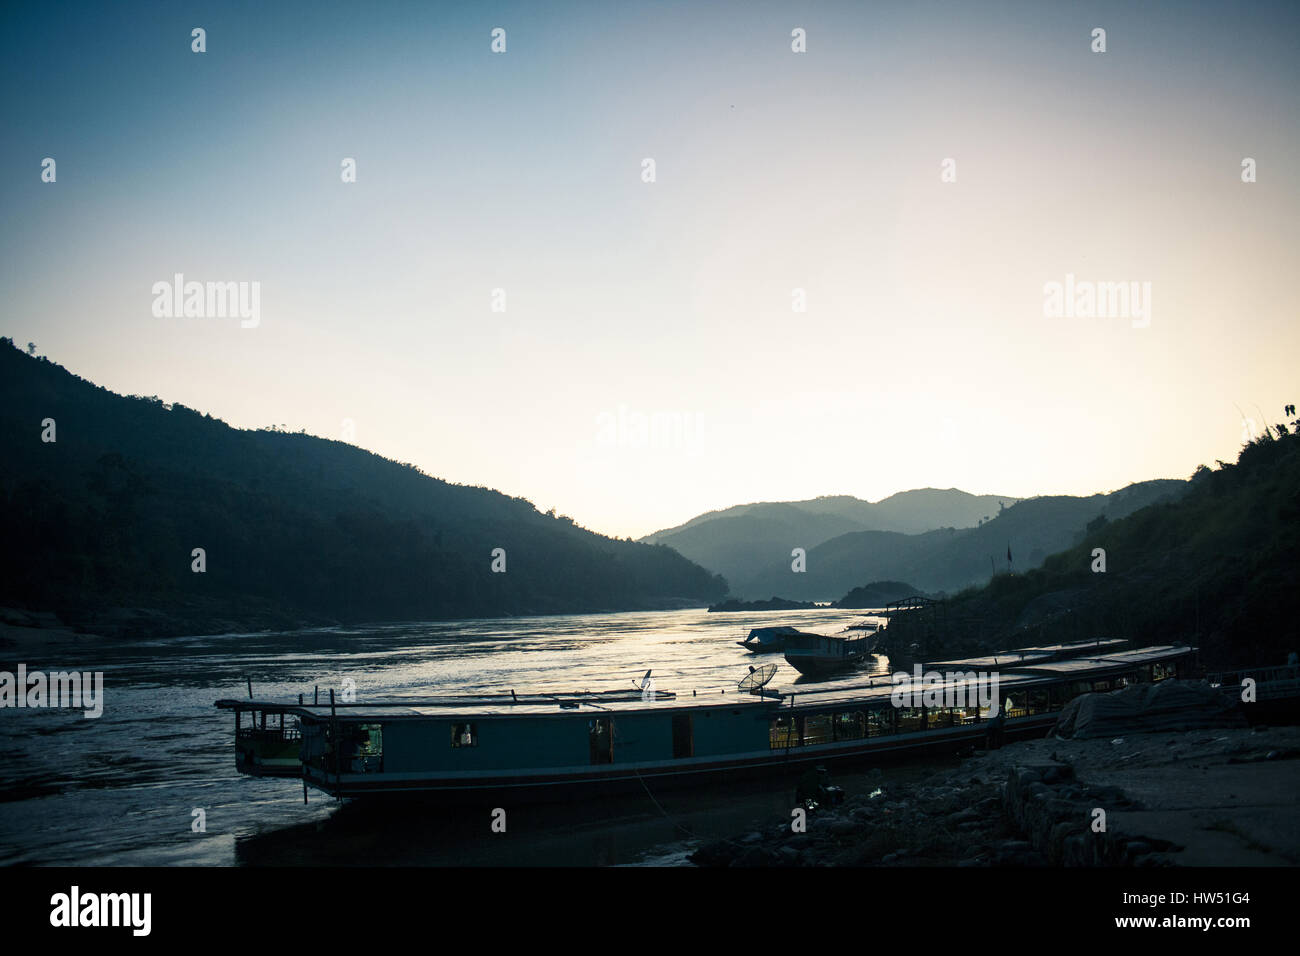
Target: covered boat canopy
{"points": [[773, 635]]}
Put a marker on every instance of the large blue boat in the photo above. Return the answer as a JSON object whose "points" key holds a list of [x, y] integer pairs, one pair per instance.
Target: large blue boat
{"points": [[538, 747]]}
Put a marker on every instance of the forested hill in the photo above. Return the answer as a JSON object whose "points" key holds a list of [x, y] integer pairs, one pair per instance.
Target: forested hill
{"points": [[294, 528], [1216, 567]]}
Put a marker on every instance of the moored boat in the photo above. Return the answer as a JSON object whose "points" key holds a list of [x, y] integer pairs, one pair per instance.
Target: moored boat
{"points": [[525, 747], [822, 654]]}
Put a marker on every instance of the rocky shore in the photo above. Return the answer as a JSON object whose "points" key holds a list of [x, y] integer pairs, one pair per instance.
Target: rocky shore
{"points": [[1199, 797]]}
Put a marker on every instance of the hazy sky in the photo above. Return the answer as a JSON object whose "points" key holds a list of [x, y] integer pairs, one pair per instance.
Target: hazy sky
{"points": [[924, 357]]}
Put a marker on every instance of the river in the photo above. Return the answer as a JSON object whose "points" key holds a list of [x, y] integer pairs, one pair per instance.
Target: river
{"points": [[123, 789]]}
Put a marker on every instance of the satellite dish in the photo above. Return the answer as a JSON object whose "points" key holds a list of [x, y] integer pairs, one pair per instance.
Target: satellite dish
{"points": [[757, 678]]}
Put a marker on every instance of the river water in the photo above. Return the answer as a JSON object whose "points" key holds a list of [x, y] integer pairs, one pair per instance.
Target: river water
{"points": [[123, 789]]}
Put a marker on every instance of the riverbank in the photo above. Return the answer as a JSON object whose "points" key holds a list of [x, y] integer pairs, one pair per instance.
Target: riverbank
{"points": [[1187, 798], [24, 631]]}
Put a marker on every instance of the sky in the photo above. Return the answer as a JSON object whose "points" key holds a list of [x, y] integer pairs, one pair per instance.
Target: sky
{"points": [[652, 361]]}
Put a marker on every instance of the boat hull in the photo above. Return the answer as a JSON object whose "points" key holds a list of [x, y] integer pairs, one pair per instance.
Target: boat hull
{"points": [[507, 790], [809, 665]]}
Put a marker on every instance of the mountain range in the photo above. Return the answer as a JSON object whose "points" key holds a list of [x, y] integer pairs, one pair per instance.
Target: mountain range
{"points": [[938, 540], [743, 542]]}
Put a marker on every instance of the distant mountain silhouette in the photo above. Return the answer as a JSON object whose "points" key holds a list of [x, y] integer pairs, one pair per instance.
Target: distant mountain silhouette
{"points": [[950, 559], [743, 541], [295, 528], [877, 594]]}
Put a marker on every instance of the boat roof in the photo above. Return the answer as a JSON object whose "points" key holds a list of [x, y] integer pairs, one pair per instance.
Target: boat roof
{"points": [[1109, 644], [993, 662], [781, 631], [1016, 656], [501, 705], [852, 690]]}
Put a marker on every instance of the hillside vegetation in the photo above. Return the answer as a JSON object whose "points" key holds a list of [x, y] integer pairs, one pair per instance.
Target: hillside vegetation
{"points": [[294, 528], [1217, 567]]}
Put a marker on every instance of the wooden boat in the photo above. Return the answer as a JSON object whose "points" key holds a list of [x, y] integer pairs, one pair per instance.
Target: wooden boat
{"points": [[476, 748], [822, 654]]}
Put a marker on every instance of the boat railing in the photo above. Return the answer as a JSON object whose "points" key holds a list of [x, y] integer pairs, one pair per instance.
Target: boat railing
{"points": [[269, 733]]}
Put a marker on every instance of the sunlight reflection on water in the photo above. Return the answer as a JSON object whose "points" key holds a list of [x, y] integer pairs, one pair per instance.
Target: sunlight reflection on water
{"points": [[121, 789]]}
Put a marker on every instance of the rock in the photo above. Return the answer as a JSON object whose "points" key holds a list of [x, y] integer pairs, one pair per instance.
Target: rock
{"points": [[1053, 775], [1026, 776], [757, 856], [717, 853]]}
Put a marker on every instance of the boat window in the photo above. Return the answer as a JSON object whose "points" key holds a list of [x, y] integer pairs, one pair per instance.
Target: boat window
{"points": [[1160, 671], [683, 736], [817, 729], [368, 738], [464, 735], [940, 717], [782, 733], [850, 726], [1039, 701], [363, 748], [601, 734], [880, 722], [909, 720]]}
